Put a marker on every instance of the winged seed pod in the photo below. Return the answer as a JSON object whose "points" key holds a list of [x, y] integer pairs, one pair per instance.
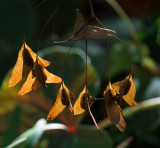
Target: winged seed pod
{"points": [[64, 99], [84, 31], [25, 62], [126, 90], [37, 77], [81, 105], [114, 111]]}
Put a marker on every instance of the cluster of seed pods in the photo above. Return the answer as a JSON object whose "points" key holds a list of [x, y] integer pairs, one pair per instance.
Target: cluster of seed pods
{"points": [[30, 63]]}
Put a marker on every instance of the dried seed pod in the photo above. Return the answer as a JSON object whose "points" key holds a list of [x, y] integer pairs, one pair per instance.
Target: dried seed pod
{"points": [[64, 99], [37, 77], [114, 111], [84, 31], [126, 89], [81, 105], [25, 61]]}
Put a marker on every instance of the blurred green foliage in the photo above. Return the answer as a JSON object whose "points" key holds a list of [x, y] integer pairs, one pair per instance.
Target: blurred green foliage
{"points": [[21, 116]]}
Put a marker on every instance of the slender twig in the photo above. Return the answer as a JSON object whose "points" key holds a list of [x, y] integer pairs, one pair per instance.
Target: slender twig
{"points": [[109, 77], [88, 99], [89, 110], [66, 59], [94, 16], [129, 59], [31, 15], [50, 18], [92, 10], [86, 68], [124, 17]]}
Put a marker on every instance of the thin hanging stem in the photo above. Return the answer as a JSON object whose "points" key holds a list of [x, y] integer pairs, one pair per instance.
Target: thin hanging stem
{"points": [[129, 59], [99, 22], [50, 18], [109, 79], [31, 15], [94, 16], [66, 59], [86, 68], [89, 110], [53, 33], [120, 11], [88, 104], [92, 10]]}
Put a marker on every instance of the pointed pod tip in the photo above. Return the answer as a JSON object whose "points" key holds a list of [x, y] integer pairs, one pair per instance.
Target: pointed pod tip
{"points": [[59, 80], [55, 79], [135, 104], [122, 130], [71, 109], [50, 117], [122, 126], [19, 94], [22, 92], [9, 85]]}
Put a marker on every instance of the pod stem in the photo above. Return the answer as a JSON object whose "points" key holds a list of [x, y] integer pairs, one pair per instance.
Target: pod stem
{"points": [[36, 7], [49, 19]]}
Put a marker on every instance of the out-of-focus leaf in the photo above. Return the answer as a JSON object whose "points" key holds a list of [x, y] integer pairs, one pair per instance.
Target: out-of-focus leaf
{"points": [[119, 60], [153, 89], [37, 103], [74, 141], [93, 81], [43, 143], [33, 135], [33, 139], [87, 137], [139, 53], [125, 143], [91, 137], [74, 75], [150, 64], [13, 127]]}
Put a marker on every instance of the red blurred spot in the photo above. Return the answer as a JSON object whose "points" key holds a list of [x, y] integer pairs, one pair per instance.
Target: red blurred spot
{"points": [[72, 129]]}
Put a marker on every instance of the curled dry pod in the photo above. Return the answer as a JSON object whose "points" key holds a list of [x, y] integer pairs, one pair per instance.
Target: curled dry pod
{"points": [[126, 90], [84, 31], [81, 105], [64, 99], [114, 111], [25, 61], [37, 77]]}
